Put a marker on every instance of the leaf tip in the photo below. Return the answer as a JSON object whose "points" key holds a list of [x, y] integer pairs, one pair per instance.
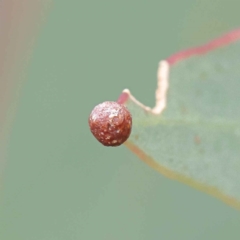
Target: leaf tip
{"points": [[124, 96]]}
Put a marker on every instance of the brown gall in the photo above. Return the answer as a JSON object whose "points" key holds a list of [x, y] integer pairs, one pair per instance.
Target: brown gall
{"points": [[110, 123]]}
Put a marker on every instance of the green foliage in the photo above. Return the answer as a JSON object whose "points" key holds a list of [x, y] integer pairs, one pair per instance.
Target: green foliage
{"points": [[197, 137]]}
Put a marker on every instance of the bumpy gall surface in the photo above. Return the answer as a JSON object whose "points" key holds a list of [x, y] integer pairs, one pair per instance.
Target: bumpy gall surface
{"points": [[110, 123]]}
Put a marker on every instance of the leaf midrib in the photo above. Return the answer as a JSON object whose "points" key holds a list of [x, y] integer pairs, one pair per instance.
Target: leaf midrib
{"points": [[211, 123]]}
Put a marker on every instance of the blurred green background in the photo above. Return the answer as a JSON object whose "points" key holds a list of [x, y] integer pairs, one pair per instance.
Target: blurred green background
{"points": [[59, 182]]}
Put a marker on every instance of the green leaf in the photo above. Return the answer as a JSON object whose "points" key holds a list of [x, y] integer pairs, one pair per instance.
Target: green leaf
{"points": [[196, 138]]}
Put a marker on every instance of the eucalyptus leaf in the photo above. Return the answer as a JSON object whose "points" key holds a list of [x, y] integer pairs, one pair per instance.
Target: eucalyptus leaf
{"points": [[196, 138]]}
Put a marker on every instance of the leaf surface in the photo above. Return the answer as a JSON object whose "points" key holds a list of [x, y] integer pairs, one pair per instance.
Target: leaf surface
{"points": [[196, 139]]}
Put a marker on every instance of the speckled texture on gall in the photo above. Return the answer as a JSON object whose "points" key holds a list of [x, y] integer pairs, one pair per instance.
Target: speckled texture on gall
{"points": [[110, 123]]}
